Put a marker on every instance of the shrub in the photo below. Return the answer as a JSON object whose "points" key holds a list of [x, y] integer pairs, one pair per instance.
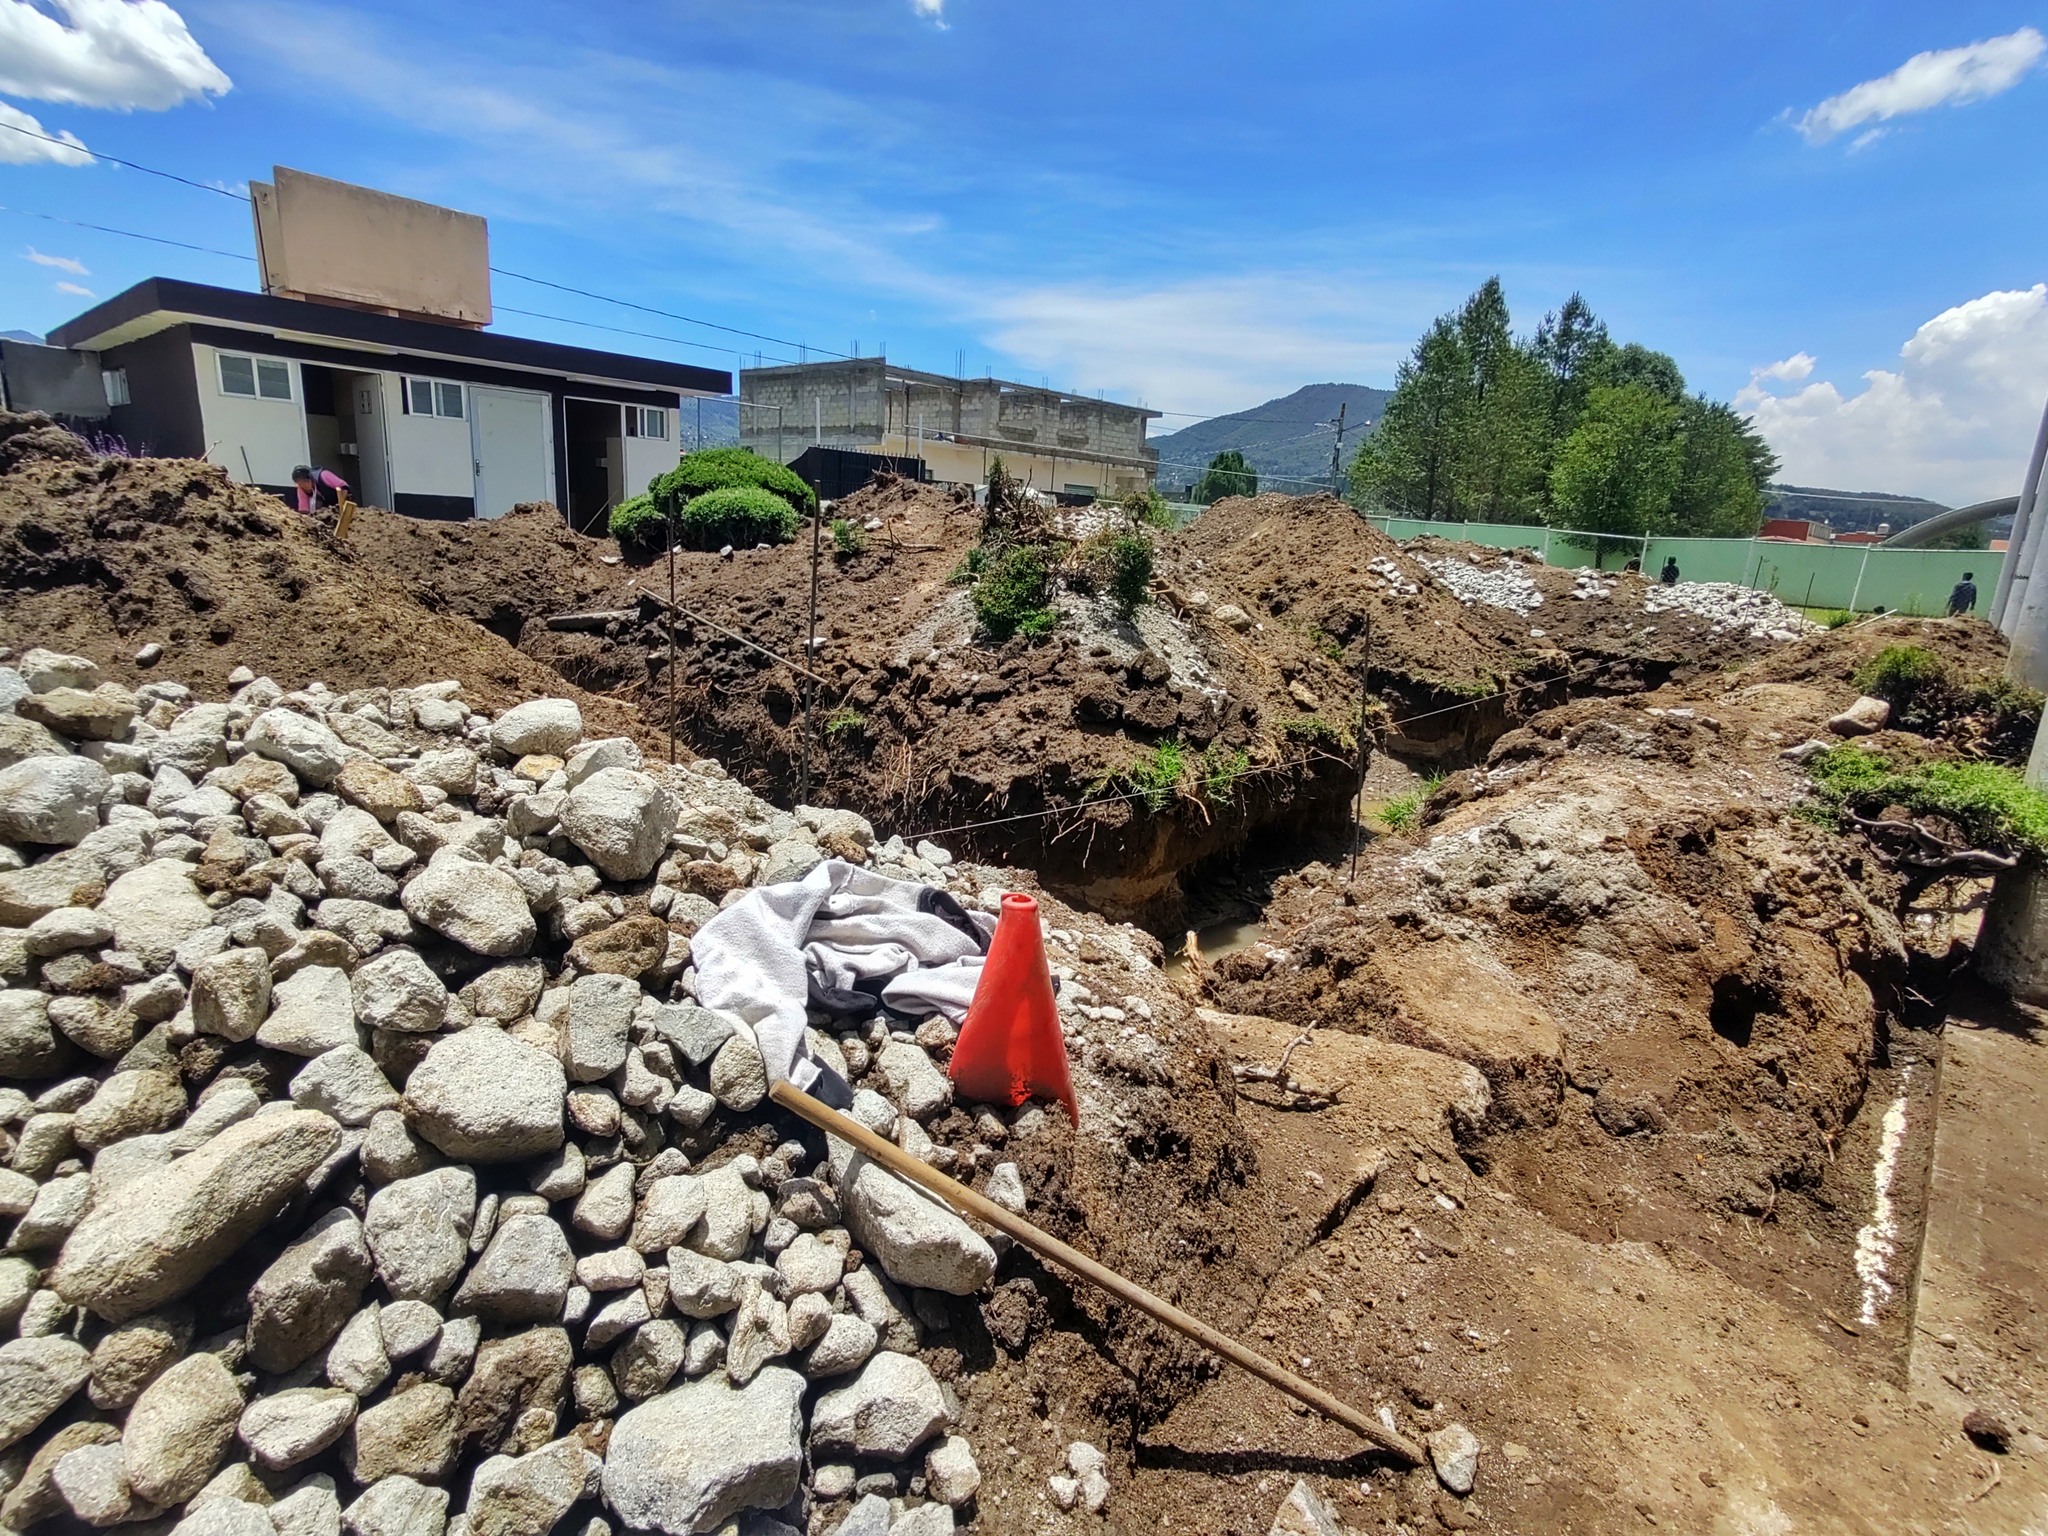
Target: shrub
{"points": [[1833, 618], [1902, 675], [1145, 505], [848, 537], [1994, 805], [637, 523], [740, 515], [717, 469], [1117, 562], [1012, 593]]}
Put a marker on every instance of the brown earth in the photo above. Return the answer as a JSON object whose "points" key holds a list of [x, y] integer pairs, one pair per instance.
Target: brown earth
{"points": [[101, 557], [1593, 1061]]}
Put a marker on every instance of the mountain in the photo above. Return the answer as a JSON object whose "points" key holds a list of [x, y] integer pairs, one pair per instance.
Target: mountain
{"points": [[29, 336], [1287, 440]]}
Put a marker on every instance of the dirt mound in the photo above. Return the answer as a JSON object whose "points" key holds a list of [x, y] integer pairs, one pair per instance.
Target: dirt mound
{"points": [[1155, 743], [102, 556]]}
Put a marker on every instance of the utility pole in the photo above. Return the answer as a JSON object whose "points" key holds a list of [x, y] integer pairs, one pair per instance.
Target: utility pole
{"points": [[1337, 452]]}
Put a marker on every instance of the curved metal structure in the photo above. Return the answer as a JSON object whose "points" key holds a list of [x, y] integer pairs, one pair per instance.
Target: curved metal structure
{"points": [[1955, 517]]}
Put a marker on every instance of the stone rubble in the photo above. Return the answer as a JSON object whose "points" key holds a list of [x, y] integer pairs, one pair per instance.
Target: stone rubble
{"points": [[1504, 585], [368, 1165]]}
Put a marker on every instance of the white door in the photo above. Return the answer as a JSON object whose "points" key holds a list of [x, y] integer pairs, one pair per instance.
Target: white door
{"points": [[372, 441], [514, 453]]}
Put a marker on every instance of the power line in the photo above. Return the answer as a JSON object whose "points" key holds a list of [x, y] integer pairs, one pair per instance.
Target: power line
{"points": [[106, 229], [527, 277], [618, 330], [147, 170]]}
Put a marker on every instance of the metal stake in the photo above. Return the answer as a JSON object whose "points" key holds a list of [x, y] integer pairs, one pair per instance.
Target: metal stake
{"points": [[803, 776], [671, 643], [1364, 746]]}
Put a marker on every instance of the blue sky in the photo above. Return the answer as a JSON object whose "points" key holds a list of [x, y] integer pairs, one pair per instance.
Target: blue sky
{"points": [[1198, 207]]}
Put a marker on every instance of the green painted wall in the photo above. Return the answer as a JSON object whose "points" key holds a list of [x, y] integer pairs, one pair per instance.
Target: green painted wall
{"points": [[1861, 576]]}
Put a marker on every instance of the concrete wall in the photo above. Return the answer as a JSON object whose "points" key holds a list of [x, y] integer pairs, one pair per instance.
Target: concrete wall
{"points": [[272, 433], [1050, 439], [53, 379], [647, 457], [322, 239]]}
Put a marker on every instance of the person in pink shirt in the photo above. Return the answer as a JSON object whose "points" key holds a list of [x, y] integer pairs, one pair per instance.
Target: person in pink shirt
{"points": [[318, 487]]}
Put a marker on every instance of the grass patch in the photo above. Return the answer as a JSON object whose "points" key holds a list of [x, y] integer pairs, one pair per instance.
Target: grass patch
{"points": [[848, 537], [1832, 618], [1168, 771], [1403, 813], [1926, 695], [1993, 805], [845, 722], [1315, 731]]}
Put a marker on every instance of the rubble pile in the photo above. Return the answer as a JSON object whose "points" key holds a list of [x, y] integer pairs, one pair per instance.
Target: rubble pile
{"points": [[1731, 607], [370, 1164], [1506, 585]]}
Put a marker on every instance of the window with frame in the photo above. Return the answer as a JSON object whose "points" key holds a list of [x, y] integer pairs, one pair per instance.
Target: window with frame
{"points": [[647, 421], [115, 382], [433, 397], [254, 378]]}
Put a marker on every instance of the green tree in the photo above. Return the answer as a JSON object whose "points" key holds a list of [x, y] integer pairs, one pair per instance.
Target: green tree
{"points": [[1724, 468], [1617, 471], [1504, 442], [1227, 475], [1572, 345], [1635, 363], [1407, 463]]}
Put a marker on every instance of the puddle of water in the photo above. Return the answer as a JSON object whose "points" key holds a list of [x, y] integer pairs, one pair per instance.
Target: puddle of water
{"points": [[1218, 940], [1878, 1241]]}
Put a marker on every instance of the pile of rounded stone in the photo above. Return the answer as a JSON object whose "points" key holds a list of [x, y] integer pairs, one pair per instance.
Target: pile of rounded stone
{"points": [[366, 1162]]}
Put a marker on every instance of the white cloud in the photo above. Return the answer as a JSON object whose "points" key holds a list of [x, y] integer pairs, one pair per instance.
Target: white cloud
{"points": [[125, 55], [1788, 370], [936, 9], [83, 293], [1209, 344], [1954, 421], [69, 264], [1939, 78], [20, 149]]}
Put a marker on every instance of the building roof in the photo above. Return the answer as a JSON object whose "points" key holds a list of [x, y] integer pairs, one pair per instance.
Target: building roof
{"points": [[158, 303], [897, 373]]}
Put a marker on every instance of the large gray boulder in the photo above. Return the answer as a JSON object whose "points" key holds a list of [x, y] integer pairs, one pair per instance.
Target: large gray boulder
{"points": [[29, 1044], [890, 1409], [915, 1239], [179, 1429], [524, 1274], [485, 1097], [298, 1304], [37, 1377], [51, 800], [158, 1235], [287, 1427], [550, 726], [398, 990], [418, 1231], [690, 1459], [477, 905], [154, 909], [527, 1495], [300, 742], [311, 1011], [595, 1032], [621, 820]]}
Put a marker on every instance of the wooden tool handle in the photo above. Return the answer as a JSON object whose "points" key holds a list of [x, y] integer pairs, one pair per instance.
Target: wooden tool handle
{"points": [[1045, 1245]]}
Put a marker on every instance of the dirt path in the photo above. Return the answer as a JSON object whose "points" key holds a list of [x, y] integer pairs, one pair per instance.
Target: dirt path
{"points": [[1982, 1319]]}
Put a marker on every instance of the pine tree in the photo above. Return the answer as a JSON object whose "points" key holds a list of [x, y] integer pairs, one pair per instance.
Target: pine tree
{"points": [[1407, 463], [1724, 468], [1228, 474]]}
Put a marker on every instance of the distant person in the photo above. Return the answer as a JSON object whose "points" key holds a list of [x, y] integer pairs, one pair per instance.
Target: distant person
{"points": [[318, 487], [1964, 597], [1669, 575], [1635, 567]]}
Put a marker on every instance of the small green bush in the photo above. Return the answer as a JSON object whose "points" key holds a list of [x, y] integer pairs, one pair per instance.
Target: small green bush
{"points": [[1902, 674], [637, 523], [1145, 505], [1012, 593], [1402, 813], [1127, 558], [717, 469], [845, 722], [739, 515], [848, 537], [1994, 805], [1222, 767], [1833, 618]]}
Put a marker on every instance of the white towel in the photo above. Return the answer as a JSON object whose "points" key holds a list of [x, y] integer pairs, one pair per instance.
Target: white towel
{"points": [[842, 936]]}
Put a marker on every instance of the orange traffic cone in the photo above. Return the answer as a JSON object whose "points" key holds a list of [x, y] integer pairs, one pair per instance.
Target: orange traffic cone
{"points": [[1010, 1048]]}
